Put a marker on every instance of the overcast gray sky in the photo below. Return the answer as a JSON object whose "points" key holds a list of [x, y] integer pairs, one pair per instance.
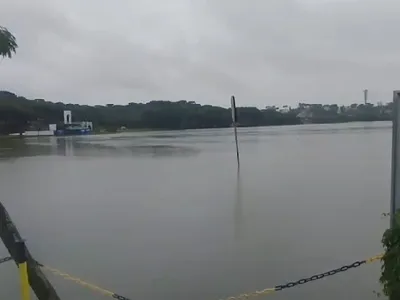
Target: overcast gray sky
{"points": [[263, 51]]}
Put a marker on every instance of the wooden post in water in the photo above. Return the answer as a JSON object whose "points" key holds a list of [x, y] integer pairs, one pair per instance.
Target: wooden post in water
{"points": [[234, 123], [12, 240]]}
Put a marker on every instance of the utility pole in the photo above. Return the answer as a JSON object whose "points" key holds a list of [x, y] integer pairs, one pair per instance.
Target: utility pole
{"points": [[395, 184], [12, 240]]}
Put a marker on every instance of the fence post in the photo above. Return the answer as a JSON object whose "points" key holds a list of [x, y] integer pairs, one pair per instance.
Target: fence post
{"points": [[395, 180], [21, 260], [10, 236]]}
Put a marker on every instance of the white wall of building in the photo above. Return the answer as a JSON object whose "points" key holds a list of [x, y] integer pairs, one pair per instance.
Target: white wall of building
{"points": [[52, 127], [67, 117], [36, 133]]}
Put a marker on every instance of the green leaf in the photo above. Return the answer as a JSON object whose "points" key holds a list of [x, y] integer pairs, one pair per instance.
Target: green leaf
{"points": [[390, 277], [8, 43]]}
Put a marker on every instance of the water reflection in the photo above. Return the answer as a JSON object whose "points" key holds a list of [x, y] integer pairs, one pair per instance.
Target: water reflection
{"points": [[90, 147], [64, 146], [238, 221]]}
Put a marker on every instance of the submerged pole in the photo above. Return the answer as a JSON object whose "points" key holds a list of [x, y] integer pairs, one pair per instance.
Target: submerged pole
{"points": [[234, 123], [238, 211], [395, 182]]}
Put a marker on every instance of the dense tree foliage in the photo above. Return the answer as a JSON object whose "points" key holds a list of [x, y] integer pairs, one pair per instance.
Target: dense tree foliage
{"points": [[18, 113], [8, 43]]}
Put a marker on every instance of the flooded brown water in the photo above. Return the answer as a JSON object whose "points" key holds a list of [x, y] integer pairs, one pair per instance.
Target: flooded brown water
{"points": [[166, 215]]}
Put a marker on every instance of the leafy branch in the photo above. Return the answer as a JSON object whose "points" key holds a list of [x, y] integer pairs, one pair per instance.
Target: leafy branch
{"points": [[8, 43], [390, 277]]}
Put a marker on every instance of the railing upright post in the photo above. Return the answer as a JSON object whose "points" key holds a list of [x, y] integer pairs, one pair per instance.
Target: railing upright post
{"points": [[10, 236], [22, 262], [395, 180]]}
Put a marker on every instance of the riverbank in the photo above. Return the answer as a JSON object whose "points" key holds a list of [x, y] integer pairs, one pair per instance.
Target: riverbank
{"points": [[133, 130], [20, 112]]}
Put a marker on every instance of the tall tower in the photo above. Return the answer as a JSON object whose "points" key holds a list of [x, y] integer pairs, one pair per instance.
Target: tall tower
{"points": [[365, 96]]}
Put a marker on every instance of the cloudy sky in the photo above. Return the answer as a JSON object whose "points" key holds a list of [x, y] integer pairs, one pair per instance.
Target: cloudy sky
{"points": [[264, 51]]}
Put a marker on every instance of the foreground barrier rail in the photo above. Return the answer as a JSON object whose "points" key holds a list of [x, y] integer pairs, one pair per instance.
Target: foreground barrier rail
{"points": [[263, 292]]}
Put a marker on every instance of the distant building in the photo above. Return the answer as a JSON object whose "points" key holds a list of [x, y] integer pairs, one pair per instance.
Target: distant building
{"points": [[73, 128], [284, 109], [305, 115]]}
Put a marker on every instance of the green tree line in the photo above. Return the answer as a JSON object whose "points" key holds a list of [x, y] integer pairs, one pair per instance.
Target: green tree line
{"points": [[17, 113]]}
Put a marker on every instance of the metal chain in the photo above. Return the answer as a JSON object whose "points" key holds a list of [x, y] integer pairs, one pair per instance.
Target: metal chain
{"points": [[304, 280], [239, 297], [116, 296], [319, 276], [5, 259], [263, 292]]}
